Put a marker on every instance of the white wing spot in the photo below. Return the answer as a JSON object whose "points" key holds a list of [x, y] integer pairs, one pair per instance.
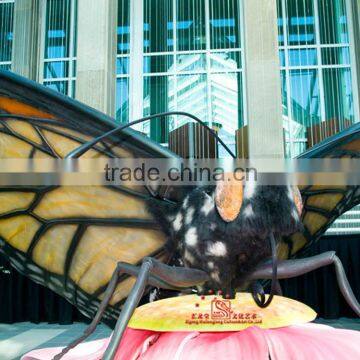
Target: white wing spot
{"points": [[178, 222], [186, 202], [210, 265], [217, 249], [191, 237], [189, 216]]}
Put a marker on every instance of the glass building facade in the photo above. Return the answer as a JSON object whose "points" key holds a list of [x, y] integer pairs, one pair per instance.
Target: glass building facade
{"points": [[6, 33], [316, 74], [192, 61]]}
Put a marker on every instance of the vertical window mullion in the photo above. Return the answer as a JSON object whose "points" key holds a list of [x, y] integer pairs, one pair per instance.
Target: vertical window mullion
{"points": [[319, 60], [208, 60]]}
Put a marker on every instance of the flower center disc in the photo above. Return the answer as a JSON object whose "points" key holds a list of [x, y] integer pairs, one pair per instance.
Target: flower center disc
{"points": [[215, 314]]}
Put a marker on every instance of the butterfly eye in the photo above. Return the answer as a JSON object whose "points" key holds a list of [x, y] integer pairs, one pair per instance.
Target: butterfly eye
{"points": [[297, 199]]}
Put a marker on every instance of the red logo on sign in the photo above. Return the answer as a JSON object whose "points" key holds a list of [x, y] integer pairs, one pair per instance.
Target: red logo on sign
{"points": [[220, 309]]}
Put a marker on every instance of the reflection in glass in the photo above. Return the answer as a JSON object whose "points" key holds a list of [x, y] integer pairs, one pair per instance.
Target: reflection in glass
{"points": [[305, 101], [338, 97], [226, 103], [224, 24], [305, 108], [226, 61], [191, 62], [192, 95]]}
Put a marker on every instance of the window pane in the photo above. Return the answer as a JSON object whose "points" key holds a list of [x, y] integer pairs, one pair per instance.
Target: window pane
{"points": [[227, 104], [281, 20], [5, 66], [56, 69], [225, 61], [191, 25], [282, 57], [60, 44], [57, 34], [61, 86], [305, 101], [284, 95], [301, 22], [157, 64], [333, 22], [298, 147], [123, 28], [224, 24], [191, 95], [6, 31], [122, 100], [336, 56], [158, 26], [158, 94], [338, 97], [191, 62], [122, 65], [302, 57]]}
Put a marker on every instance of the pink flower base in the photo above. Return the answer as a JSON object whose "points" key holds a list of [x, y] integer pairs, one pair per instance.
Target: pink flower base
{"points": [[303, 342]]}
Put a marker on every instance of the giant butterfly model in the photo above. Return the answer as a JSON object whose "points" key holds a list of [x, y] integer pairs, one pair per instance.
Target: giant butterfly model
{"points": [[100, 258]]}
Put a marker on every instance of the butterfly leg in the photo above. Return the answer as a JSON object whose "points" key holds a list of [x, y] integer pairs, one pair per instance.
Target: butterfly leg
{"points": [[291, 268], [94, 323], [152, 272], [173, 277]]}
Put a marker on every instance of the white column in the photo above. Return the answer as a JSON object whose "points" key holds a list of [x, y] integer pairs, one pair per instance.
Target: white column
{"points": [[262, 79], [28, 20], [136, 60], [96, 54]]}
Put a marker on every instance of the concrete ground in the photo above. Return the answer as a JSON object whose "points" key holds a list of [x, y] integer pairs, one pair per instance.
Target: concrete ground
{"points": [[20, 338]]}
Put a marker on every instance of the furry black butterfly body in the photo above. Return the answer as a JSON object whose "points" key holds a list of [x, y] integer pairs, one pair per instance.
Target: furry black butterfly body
{"points": [[227, 251]]}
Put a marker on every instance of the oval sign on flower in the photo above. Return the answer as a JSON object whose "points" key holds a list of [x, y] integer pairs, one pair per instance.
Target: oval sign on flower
{"points": [[215, 314]]}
